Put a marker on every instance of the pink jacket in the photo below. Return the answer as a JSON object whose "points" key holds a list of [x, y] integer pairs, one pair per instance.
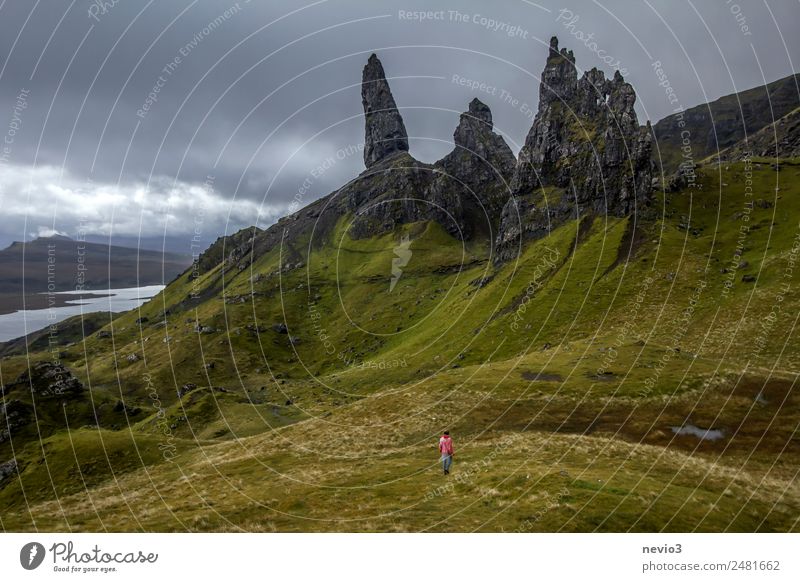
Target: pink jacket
{"points": [[446, 445]]}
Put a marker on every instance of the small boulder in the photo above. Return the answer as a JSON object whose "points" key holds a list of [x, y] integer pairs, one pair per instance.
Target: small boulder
{"points": [[8, 469], [185, 389]]}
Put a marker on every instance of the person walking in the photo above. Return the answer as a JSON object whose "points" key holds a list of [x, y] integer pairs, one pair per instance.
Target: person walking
{"points": [[446, 450]]}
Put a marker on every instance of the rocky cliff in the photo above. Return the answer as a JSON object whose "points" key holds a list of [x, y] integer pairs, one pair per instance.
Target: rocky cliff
{"points": [[585, 153], [480, 167]]}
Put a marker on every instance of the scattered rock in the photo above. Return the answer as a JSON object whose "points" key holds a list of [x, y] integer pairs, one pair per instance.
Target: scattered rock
{"points": [[8, 469], [14, 415], [185, 389]]}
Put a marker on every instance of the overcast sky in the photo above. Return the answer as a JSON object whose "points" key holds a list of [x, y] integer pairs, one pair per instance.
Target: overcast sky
{"points": [[253, 96]]}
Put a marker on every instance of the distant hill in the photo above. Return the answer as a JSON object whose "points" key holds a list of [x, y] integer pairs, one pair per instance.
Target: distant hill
{"points": [[67, 264], [777, 140], [722, 123]]}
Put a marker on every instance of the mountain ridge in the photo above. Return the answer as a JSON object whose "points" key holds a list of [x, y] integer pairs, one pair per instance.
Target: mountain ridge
{"points": [[721, 123]]}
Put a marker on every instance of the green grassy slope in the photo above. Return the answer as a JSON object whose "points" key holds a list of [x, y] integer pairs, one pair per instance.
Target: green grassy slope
{"points": [[561, 375]]}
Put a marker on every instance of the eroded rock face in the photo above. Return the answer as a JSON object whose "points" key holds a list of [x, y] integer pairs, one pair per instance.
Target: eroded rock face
{"points": [[464, 192], [587, 144], [396, 191], [478, 171], [480, 154], [385, 131], [585, 154], [481, 166]]}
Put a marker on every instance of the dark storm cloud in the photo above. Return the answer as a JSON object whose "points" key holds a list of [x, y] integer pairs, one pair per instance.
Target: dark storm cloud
{"points": [[247, 100]]}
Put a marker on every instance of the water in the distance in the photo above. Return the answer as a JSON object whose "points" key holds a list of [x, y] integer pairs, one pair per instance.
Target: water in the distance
{"points": [[704, 434], [19, 323]]}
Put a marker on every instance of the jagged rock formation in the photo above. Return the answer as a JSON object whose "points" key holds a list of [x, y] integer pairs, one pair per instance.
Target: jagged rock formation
{"points": [[481, 156], [464, 192], [481, 164], [385, 131], [397, 191], [231, 248], [585, 147]]}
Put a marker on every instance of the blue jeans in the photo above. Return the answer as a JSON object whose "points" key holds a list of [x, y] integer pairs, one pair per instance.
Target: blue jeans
{"points": [[447, 460]]}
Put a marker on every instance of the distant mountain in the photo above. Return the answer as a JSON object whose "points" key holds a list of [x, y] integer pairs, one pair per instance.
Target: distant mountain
{"points": [[720, 124], [59, 263]]}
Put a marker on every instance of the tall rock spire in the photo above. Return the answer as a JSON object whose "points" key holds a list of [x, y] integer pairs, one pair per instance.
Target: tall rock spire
{"points": [[385, 131]]}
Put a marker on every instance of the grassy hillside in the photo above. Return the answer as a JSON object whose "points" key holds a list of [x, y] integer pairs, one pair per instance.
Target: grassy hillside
{"points": [[313, 395]]}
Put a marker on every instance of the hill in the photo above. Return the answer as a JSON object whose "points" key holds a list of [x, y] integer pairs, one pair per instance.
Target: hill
{"points": [[777, 140], [720, 124]]}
